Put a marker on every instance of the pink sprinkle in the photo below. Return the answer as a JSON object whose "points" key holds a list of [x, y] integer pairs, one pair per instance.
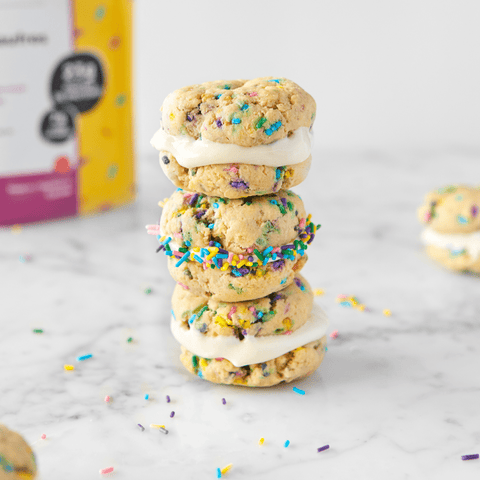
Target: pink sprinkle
{"points": [[288, 332], [43, 437], [176, 253], [232, 311], [341, 295], [252, 309], [106, 470], [219, 359], [238, 374], [204, 265], [334, 334], [240, 257], [287, 308], [276, 250], [302, 223], [230, 257], [428, 217], [184, 286], [107, 398], [253, 94], [231, 168], [250, 250]]}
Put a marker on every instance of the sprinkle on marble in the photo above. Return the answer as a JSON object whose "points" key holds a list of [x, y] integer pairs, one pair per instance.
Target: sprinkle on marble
{"points": [[141, 427], [147, 396], [69, 368], [287, 443], [226, 469], [299, 391], [168, 398], [219, 473], [43, 436], [473, 456], [147, 291], [334, 334], [129, 339], [84, 357], [322, 449], [261, 441], [25, 258], [350, 302], [37, 330], [224, 401], [172, 414], [107, 399], [104, 471], [318, 291], [387, 312]]}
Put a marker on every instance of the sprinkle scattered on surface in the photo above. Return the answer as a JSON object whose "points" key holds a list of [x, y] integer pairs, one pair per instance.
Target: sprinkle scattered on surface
{"points": [[261, 441], [297, 390], [104, 471], [473, 456], [69, 367], [129, 339], [321, 449], [107, 398], [387, 313], [287, 443], [168, 399], [219, 473], [84, 357], [350, 302], [148, 291], [146, 396], [172, 414], [141, 427], [224, 401], [334, 334], [318, 291], [226, 469], [43, 437], [37, 330]]}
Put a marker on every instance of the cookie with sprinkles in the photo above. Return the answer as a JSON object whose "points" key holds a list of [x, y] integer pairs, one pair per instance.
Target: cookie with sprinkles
{"points": [[17, 460], [234, 249], [237, 138], [451, 215]]}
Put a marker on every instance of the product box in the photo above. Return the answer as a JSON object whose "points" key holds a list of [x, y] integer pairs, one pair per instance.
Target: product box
{"points": [[66, 132]]}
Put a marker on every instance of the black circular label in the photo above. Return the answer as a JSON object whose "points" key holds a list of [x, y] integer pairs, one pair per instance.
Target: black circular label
{"points": [[78, 80], [57, 125]]}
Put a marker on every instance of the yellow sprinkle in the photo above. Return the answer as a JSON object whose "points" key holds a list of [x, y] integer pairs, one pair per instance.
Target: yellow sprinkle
{"points": [[241, 264], [234, 263], [235, 257], [172, 116], [213, 252], [196, 249], [249, 264], [314, 229], [225, 266], [223, 322], [260, 442], [154, 425], [203, 363], [227, 468], [318, 291], [361, 307], [305, 240], [309, 217], [69, 367], [287, 323], [387, 312], [259, 273]]}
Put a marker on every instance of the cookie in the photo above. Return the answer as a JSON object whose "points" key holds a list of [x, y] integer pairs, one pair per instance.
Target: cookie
{"points": [[237, 138], [17, 461], [234, 180], [452, 235], [247, 113], [454, 209], [291, 366], [279, 313], [234, 249]]}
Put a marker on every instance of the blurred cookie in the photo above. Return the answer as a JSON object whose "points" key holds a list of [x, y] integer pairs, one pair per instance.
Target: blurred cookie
{"points": [[17, 461]]}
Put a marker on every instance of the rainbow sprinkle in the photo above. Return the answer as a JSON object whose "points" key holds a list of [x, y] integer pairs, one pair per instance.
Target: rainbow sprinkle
{"points": [[350, 302], [473, 456], [322, 449], [104, 471], [287, 443], [297, 390], [84, 357]]}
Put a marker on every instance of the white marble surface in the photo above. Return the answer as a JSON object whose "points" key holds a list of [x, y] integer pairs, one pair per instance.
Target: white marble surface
{"points": [[396, 397]]}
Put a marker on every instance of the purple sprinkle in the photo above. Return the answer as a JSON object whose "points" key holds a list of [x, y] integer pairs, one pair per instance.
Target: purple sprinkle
{"points": [[160, 248], [244, 270], [220, 262], [219, 123], [303, 235], [278, 264], [277, 297], [193, 199], [298, 283], [172, 414], [311, 239], [474, 211], [189, 118], [284, 202], [250, 258], [224, 401], [288, 247], [141, 426], [200, 213], [221, 250], [239, 183], [321, 449], [168, 399], [211, 243], [474, 456], [280, 255]]}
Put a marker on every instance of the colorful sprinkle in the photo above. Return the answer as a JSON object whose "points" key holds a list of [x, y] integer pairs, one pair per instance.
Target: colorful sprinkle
{"points": [[318, 291], [37, 330], [142, 428], [69, 367], [297, 390], [84, 357], [107, 399], [387, 312], [219, 473], [43, 436], [227, 468], [172, 414], [129, 339], [287, 443], [322, 449], [334, 334], [236, 121], [104, 471], [261, 441], [473, 456], [147, 396], [168, 398], [224, 401]]}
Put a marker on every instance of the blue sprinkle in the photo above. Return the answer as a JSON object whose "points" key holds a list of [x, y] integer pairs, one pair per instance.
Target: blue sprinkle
{"points": [[211, 226], [236, 121], [301, 252], [287, 443], [278, 173], [198, 259], [222, 255], [216, 205], [170, 253], [260, 314], [268, 131], [219, 473], [192, 318], [274, 256], [245, 106], [84, 357], [345, 304], [218, 96], [218, 245], [182, 259], [146, 396], [267, 251], [178, 190], [187, 243], [283, 281], [167, 241], [273, 202], [173, 314], [461, 219], [200, 374], [276, 80], [297, 390], [215, 261], [204, 252]]}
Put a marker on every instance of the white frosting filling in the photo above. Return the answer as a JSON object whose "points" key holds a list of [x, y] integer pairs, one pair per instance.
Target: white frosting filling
{"points": [[470, 242], [251, 349], [191, 153]]}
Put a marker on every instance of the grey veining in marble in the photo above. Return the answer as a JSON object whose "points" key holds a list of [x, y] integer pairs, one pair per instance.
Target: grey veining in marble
{"points": [[396, 397]]}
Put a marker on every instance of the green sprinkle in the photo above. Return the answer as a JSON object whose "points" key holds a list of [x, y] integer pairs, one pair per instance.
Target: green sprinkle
{"points": [[200, 313], [37, 330], [148, 291], [260, 123], [290, 205], [129, 339], [183, 249], [259, 255], [195, 361]]}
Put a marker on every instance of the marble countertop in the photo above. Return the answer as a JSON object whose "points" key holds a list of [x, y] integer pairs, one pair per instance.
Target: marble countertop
{"points": [[396, 397]]}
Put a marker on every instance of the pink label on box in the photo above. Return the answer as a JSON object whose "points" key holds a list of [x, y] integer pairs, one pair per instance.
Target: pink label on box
{"points": [[34, 198]]}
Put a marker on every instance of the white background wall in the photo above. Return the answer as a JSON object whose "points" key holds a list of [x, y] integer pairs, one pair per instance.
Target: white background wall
{"points": [[385, 74]]}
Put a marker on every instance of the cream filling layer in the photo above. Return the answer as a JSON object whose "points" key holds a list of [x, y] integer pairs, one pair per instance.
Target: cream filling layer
{"points": [[251, 349], [191, 153], [470, 242]]}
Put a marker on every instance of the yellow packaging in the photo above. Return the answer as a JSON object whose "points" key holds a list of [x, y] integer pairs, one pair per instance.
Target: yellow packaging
{"points": [[66, 133]]}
